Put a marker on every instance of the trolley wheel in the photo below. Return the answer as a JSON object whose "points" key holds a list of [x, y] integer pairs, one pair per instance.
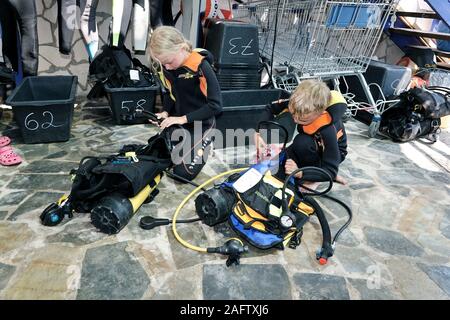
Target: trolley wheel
{"points": [[373, 128]]}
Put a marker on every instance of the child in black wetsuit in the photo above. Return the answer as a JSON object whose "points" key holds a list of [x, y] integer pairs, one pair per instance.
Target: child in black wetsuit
{"points": [[192, 98], [321, 140]]}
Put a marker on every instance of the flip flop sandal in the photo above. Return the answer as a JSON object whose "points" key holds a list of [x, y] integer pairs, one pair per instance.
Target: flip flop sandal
{"points": [[4, 141], [4, 149], [8, 157]]}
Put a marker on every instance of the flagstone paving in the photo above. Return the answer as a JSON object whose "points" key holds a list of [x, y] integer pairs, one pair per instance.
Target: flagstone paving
{"points": [[397, 247]]}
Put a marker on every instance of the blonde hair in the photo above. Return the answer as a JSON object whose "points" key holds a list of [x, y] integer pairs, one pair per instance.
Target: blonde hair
{"points": [[165, 40], [310, 96]]}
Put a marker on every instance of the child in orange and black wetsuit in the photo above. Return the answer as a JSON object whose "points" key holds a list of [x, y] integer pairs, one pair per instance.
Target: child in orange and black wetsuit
{"points": [[192, 96], [321, 140]]}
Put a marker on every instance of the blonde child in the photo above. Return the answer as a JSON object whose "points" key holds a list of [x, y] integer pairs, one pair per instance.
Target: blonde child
{"points": [[192, 94]]}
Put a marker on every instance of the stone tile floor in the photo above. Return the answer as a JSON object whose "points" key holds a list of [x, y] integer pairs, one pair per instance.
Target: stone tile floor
{"points": [[397, 247]]}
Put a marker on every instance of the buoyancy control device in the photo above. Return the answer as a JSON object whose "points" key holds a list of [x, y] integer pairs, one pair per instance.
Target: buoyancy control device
{"points": [[262, 207], [113, 188], [417, 114], [264, 210]]}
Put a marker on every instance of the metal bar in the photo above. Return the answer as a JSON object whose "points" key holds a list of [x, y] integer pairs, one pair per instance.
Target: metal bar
{"points": [[413, 14], [366, 89], [417, 33]]}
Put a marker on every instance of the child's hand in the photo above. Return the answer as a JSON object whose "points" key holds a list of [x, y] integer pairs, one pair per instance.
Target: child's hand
{"points": [[170, 121], [159, 115], [290, 167]]}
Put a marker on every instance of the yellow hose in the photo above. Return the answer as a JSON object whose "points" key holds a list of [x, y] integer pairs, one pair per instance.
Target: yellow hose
{"points": [[185, 200]]}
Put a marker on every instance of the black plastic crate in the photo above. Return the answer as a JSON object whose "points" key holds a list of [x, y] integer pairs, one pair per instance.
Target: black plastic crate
{"points": [[242, 109], [238, 78], [43, 107], [124, 101], [232, 43], [387, 77]]}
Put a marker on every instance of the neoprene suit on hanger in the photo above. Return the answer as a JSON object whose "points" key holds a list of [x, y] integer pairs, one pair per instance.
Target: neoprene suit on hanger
{"points": [[19, 34], [67, 14], [143, 10]]}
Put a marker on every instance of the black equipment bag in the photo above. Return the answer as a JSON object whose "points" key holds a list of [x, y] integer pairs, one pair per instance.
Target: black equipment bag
{"points": [[417, 114], [124, 173], [112, 66]]}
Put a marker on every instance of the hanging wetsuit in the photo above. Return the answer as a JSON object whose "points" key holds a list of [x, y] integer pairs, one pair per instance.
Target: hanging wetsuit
{"points": [[167, 13], [148, 12], [141, 21], [20, 36], [145, 12], [1, 46], [88, 26], [192, 90], [67, 10], [156, 11], [121, 15], [66, 24]]}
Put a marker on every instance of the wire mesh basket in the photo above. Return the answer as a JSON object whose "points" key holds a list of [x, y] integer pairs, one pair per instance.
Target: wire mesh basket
{"points": [[318, 37]]}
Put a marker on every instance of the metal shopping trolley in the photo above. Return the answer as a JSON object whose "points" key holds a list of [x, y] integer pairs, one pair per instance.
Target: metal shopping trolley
{"points": [[324, 39]]}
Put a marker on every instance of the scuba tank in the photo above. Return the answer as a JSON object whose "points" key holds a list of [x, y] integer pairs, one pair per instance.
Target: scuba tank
{"points": [[113, 212]]}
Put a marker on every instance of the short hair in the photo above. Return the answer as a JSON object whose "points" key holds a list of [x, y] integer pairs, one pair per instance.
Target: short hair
{"points": [[165, 40], [310, 96]]}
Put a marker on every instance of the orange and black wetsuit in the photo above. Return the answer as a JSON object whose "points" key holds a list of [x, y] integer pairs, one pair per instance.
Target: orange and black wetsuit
{"points": [[322, 143], [193, 90]]}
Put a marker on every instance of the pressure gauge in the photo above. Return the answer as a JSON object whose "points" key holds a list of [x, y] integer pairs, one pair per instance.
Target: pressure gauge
{"points": [[286, 221]]}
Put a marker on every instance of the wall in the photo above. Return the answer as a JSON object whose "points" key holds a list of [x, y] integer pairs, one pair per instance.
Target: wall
{"points": [[387, 51], [51, 62]]}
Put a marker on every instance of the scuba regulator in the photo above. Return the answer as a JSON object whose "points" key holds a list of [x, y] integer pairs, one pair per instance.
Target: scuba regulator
{"points": [[55, 212]]}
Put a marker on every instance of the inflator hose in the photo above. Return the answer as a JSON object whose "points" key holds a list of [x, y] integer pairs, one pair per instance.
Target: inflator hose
{"points": [[327, 248], [346, 207], [326, 232], [185, 200]]}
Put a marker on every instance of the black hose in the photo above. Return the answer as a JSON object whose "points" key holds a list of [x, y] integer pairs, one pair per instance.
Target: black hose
{"points": [[327, 245], [177, 177], [322, 171], [186, 220], [350, 216], [314, 193]]}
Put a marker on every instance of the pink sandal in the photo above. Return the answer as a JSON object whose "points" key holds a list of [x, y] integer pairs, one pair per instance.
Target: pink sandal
{"points": [[8, 157], [4, 141]]}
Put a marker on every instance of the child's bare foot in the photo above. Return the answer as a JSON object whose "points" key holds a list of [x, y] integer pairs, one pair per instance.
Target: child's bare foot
{"points": [[340, 180], [309, 185]]}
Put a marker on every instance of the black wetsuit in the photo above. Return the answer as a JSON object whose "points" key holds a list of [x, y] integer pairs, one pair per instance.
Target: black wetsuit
{"points": [[67, 12], [193, 90], [19, 27], [322, 144]]}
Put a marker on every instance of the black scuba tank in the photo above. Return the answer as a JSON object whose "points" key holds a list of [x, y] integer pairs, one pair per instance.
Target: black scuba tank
{"points": [[214, 205]]}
